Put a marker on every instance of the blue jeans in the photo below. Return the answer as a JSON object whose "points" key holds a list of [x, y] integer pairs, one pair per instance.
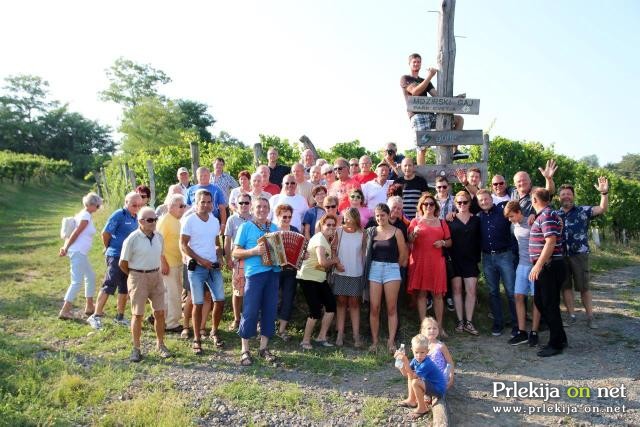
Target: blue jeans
{"points": [[496, 266], [260, 300], [200, 277]]}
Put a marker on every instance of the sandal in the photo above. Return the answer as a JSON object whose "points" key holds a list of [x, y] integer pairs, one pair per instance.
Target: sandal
{"points": [[65, 315], [184, 335], [405, 404], [233, 326], [284, 336], [323, 343], [164, 352], [417, 415], [217, 341], [460, 326], [197, 347], [339, 342], [267, 355], [357, 344], [306, 346], [245, 359], [468, 327]]}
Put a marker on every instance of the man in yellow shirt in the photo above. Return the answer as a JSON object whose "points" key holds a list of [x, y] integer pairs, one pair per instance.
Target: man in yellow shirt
{"points": [[171, 260]]}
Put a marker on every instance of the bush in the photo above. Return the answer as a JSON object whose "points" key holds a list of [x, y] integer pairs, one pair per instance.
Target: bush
{"points": [[26, 167]]}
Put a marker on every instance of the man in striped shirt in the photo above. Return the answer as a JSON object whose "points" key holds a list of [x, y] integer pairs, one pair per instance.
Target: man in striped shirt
{"points": [[548, 271], [413, 186]]}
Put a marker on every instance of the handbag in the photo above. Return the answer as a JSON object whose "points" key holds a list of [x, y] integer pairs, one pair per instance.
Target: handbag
{"points": [[331, 274]]}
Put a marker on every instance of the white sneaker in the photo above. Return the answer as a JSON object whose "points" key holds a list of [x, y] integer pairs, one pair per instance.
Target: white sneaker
{"points": [[122, 322], [95, 322]]}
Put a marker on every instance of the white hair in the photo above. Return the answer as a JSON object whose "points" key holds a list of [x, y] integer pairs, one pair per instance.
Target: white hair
{"points": [[393, 200], [91, 199], [173, 199], [145, 209], [131, 195]]}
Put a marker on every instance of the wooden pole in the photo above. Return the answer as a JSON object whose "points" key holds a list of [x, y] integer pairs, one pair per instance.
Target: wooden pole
{"points": [[105, 188], [308, 144], [195, 160], [257, 154], [152, 182], [484, 158], [446, 64]]}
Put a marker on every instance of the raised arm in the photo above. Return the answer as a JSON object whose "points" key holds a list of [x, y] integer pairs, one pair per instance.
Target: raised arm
{"points": [[549, 170], [603, 187], [418, 89]]}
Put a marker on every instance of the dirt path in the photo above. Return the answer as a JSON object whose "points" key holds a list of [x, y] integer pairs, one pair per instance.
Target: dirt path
{"points": [[607, 357]]}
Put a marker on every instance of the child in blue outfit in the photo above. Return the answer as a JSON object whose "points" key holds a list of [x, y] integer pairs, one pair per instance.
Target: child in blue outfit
{"points": [[423, 377]]}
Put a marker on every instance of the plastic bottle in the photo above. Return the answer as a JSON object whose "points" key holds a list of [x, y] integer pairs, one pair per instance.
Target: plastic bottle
{"points": [[399, 363], [446, 372]]}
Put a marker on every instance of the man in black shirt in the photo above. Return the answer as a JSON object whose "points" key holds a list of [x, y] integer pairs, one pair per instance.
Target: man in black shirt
{"points": [[413, 187], [277, 172]]}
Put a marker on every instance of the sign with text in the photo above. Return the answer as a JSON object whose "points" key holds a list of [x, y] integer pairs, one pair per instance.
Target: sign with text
{"points": [[437, 104], [431, 172], [449, 137]]}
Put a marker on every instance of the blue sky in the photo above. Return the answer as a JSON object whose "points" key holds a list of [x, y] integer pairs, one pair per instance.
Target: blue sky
{"points": [[561, 72]]}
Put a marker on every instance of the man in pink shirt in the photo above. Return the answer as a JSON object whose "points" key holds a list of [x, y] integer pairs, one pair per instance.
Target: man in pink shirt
{"points": [[344, 184]]}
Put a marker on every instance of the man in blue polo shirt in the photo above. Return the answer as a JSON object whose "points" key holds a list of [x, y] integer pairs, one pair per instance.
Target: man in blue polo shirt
{"points": [[120, 224], [497, 259], [219, 201]]}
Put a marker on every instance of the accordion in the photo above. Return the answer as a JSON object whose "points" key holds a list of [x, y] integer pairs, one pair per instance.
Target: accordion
{"points": [[284, 248]]}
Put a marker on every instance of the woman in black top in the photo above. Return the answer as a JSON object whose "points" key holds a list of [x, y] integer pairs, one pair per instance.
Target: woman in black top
{"points": [[465, 256], [386, 252]]}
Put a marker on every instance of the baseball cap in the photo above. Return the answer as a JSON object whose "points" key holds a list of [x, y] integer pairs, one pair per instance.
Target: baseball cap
{"points": [[182, 170]]}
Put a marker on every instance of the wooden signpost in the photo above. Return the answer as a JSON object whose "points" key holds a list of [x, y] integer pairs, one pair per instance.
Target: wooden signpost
{"points": [[431, 104], [449, 137]]}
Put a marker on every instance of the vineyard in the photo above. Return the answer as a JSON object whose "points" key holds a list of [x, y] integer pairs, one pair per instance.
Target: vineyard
{"points": [[22, 168]]}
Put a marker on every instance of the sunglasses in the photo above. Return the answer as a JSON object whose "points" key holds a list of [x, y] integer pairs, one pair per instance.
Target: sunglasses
{"points": [[428, 204], [182, 206], [330, 225], [462, 202], [243, 203], [355, 197], [442, 187], [495, 184], [338, 168], [286, 217], [330, 207], [327, 172], [290, 183], [150, 220]]}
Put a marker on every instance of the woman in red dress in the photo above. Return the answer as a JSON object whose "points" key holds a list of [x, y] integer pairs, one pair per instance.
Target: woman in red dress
{"points": [[427, 269]]}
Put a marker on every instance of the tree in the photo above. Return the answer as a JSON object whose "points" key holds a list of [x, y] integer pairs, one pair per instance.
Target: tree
{"points": [[26, 95], [196, 116], [629, 166], [225, 138], [132, 82], [287, 153], [151, 124], [591, 161]]}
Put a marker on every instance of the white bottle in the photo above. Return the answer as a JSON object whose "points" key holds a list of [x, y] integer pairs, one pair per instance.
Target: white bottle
{"points": [[446, 372], [399, 362]]}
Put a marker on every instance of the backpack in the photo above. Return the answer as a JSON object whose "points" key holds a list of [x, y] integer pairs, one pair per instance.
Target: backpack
{"points": [[67, 227]]}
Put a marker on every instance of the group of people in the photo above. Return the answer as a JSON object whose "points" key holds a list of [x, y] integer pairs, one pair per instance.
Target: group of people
{"points": [[369, 237]]}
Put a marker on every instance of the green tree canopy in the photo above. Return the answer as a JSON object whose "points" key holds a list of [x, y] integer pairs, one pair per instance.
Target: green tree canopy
{"points": [[629, 166], [195, 115], [132, 82]]}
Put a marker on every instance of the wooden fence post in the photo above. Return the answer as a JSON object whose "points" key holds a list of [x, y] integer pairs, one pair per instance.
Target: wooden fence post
{"points": [[309, 145], [446, 65], [257, 154], [152, 182], [125, 176], [484, 158], [103, 177], [195, 160], [132, 179]]}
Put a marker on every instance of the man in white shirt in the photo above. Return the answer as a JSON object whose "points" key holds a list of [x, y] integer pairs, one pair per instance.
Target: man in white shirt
{"points": [[303, 187], [499, 187], [140, 260], [375, 191], [289, 197], [198, 236]]}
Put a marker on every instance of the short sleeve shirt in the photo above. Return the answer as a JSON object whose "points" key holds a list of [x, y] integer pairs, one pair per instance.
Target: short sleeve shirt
{"points": [[412, 189], [169, 228], [225, 182], [547, 224], [216, 194], [575, 230], [310, 269], [341, 190], [82, 243], [311, 216], [375, 193], [141, 251], [277, 174], [247, 238], [406, 81], [522, 232], [525, 202], [202, 235], [428, 372], [119, 225], [297, 202]]}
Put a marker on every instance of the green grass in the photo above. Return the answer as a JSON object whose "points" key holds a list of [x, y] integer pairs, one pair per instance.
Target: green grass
{"points": [[374, 410], [611, 255]]}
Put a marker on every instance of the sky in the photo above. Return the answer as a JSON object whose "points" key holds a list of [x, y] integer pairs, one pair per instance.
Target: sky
{"points": [[557, 72]]}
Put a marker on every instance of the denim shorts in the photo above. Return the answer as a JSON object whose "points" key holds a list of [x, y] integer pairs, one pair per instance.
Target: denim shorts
{"points": [[524, 286], [384, 272], [212, 278]]}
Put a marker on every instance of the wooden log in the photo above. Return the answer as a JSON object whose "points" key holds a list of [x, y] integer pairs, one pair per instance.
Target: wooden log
{"points": [[195, 160], [431, 172], [257, 154], [309, 145], [446, 64], [449, 137], [442, 104], [440, 412], [152, 182]]}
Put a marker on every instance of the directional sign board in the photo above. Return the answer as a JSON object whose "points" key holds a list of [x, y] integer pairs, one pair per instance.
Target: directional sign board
{"points": [[449, 137], [429, 104], [431, 172]]}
